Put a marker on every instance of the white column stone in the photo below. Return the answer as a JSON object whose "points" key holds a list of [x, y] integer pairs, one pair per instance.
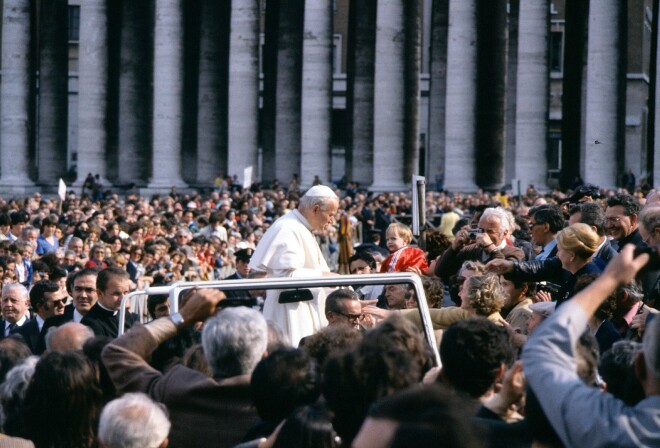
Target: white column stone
{"points": [[601, 133], [243, 128], [168, 95], [389, 101], [532, 93], [92, 90], [461, 97], [316, 92], [15, 96]]}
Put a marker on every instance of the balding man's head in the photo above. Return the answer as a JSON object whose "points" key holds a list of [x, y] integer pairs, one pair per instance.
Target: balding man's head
{"points": [[70, 336]]}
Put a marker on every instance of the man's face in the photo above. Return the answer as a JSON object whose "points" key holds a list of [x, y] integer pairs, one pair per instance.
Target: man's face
{"points": [[533, 322], [54, 305], [513, 293], [351, 314], [243, 268], [396, 296], [84, 293], [16, 229], [617, 224], [14, 306], [115, 290], [320, 218], [162, 309], [360, 267], [539, 232], [493, 228]]}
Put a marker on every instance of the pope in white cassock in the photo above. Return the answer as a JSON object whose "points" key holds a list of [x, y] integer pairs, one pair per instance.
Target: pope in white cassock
{"points": [[289, 249]]}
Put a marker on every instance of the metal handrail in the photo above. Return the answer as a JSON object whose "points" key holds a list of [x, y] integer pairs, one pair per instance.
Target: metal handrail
{"points": [[175, 289]]}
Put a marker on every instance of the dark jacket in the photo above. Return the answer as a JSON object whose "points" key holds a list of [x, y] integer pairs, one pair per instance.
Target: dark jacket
{"points": [[106, 323]]}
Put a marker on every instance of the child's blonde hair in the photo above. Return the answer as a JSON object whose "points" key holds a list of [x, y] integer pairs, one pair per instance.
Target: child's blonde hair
{"points": [[402, 231]]}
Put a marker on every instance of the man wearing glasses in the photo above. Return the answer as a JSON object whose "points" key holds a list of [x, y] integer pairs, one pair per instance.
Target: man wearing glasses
{"points": [[342, 307], [47, 300]]}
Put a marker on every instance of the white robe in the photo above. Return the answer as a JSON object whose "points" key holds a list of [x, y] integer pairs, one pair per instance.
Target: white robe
{"points": [[289, 249]]}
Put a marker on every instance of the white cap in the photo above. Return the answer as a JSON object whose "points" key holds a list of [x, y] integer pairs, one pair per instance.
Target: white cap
{"points": [[320, 191]]}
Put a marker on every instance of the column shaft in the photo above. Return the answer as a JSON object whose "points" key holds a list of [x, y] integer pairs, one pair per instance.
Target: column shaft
{"points": [[15, 95], [461, 97], [604, 114], [389, 103], [532, 93], [168, 95], [92, 89], [316, 92]]}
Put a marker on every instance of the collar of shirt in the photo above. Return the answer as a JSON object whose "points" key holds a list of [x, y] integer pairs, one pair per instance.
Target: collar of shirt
{"points": [[303, 220], [77, 317], [114, 312], [40, 322]]}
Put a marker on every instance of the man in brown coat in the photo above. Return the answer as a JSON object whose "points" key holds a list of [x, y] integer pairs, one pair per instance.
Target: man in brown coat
{"points": [[204, 411]]}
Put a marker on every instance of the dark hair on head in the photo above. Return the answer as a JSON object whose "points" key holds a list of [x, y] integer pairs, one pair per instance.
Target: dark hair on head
{"points": [[591, 214], [19, 217], [71, 279], [307, 427], [284, 380], [587, 355], [333, 303], [616, 368], [12, 353], [57, 273], [4, 219], [364, 256], [329, 341], [630, 204], [429, 416], [153, 301], [436, 244], [551, 215], [106, 275], [459, 225], [63, 402], [390, 358], [38, 290], [472, 352]]}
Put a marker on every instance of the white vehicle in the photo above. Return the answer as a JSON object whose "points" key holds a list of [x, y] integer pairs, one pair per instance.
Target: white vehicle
{"points": [[137, 299]]}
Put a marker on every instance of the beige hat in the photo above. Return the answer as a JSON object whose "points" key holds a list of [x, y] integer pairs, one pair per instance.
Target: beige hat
{"points": [[545, 309]]}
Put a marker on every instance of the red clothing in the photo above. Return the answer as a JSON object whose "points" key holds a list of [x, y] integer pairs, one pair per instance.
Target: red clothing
{"points": [[404, 258]]}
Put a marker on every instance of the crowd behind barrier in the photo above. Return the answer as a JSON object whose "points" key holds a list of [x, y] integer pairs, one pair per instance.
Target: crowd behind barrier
{"points": [[544, 314]]}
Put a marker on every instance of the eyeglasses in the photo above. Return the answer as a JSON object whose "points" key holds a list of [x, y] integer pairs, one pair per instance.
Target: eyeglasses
{"points": [[60, 302], [350, 316], [613, 220]]}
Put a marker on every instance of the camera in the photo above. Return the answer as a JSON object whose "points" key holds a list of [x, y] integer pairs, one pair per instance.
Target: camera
{"points": [[654, 258], [550, 288], [472, 233]]}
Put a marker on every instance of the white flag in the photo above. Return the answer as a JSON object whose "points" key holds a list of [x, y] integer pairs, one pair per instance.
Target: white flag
{"points": [[247, 177], [61, 190]]}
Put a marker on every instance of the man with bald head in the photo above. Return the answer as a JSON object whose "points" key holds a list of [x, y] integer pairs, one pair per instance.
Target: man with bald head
{"points": [[289, 249], [70, 336]]}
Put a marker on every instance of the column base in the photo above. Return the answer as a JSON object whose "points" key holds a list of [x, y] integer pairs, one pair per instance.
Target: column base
{"points": [[18, 187]]}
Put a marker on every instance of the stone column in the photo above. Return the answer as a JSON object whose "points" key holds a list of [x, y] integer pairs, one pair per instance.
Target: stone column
{"points": [[243, 128], [532, 93], [389, 103], [461, 97], [604, 111], [15, 97], [134, 117], [360, 91], [168, 95], [437, 89], [92, 90], [212, 96], [287, 96], [316, 92], [53, 92]]}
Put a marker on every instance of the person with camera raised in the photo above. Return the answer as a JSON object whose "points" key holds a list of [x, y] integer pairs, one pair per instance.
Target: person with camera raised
{"points": [[487, 242]]}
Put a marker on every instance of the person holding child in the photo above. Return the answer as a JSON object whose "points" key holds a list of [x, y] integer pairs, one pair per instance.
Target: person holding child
{"points": [[402, 256]]}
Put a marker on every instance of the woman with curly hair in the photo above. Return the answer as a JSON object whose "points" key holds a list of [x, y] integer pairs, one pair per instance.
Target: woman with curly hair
{"points": [[482, 295]]}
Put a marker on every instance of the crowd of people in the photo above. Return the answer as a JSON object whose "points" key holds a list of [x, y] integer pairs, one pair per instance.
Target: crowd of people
{"points": [[543, 305]]}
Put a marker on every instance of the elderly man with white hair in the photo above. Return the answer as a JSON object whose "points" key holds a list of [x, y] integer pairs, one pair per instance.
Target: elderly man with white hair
{"points": [[133, 421], [488, 242], [289, 249]]}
